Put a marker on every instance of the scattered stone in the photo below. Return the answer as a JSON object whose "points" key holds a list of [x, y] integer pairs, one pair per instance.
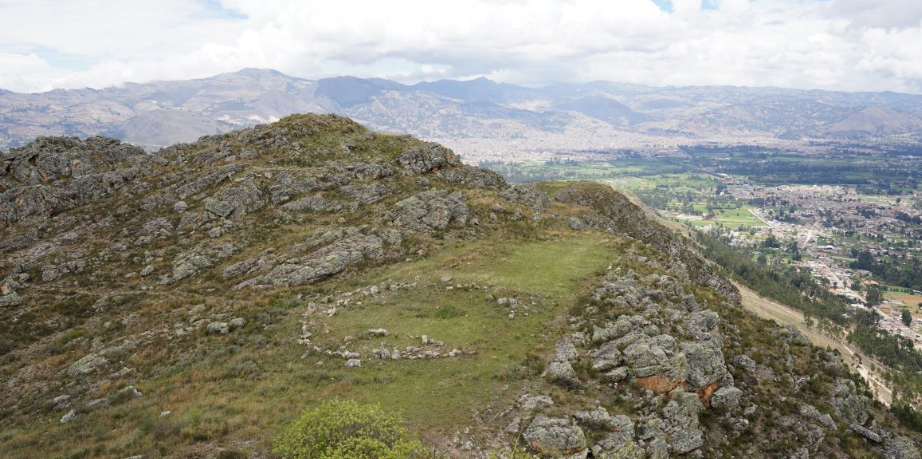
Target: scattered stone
{"points": [[617, 375], [352, 363], [13, 299], [70, 416], [60, 402], [744, 362], [530, 402], [128, 393], [237, 322], [576, 224], [810, 412], [865, 432], [218, 328], [596, 418], [86, 365], [377, 332], [566, 351], [562, 373], [726, 398]]}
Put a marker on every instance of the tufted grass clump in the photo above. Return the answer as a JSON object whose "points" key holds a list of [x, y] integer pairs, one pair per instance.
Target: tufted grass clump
{"points": [[339, 429]]}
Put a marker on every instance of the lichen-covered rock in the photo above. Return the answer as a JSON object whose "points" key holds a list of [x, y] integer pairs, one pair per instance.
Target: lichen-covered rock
{"points": [[705, 364], [596, 419], [12, 299], [54, 174], [88, 364], [810, 412], [865, 432], [314, 203], [218, 328], [681, 425], [555, 437], [745, 363], [606, 357], [576, 224], [323, 262], [726, 398], [702, 324], [849, 407], [235, 201], [566, 351], [426, 158], [623, 326], [531, 402], [900, 447], [562, 373], [365, 194], [434, 210]]}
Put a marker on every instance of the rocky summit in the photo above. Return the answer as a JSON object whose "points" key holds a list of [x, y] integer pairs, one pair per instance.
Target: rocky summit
{"points": [[194, 301]]}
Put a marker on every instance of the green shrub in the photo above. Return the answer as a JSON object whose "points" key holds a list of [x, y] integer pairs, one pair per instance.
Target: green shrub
{"points": [[340, 429]]}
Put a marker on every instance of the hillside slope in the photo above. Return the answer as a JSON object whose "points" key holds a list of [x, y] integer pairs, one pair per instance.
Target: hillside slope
{"points": [[192, 302]]}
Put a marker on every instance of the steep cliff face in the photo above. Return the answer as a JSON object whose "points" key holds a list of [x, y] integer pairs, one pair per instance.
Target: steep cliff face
{"points": [[187, 303]]}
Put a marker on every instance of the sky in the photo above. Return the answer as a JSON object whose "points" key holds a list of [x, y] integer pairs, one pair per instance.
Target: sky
{"points": [[851, 45]]}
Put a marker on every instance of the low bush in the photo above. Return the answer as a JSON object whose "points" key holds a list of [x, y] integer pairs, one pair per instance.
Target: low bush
{"points": [[340, 429]]}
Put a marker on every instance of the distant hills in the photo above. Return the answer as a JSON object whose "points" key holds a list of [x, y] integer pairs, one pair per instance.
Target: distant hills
{"points": [[504, 116]]}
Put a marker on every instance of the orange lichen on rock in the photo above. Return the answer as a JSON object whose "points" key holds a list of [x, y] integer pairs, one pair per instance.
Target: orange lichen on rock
{"points": [[659, 384]]}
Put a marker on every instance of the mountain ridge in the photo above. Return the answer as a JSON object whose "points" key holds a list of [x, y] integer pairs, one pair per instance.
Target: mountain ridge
{"points": [[454, 110]]}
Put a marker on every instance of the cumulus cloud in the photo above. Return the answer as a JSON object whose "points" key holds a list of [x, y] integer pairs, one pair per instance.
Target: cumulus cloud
{"points": [[837, 44]]}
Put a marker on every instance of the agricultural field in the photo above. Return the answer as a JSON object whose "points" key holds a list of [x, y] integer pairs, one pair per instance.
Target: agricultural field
{"points": [[912, 301]]}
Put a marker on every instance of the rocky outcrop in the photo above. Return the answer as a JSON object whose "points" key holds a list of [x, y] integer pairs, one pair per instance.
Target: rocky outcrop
{"points": [[323, 262], [680, 422], [430, 210], [427, 158], [555, 437], [629, 218], [663, 341], [53, 174], [234, 202], [850, 407]]}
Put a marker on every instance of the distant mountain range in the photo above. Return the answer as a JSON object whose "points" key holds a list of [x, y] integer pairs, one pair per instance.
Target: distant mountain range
{"points": [[492, 118]]}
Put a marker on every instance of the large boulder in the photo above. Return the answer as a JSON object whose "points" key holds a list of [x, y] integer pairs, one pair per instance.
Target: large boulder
{"points": [[705, 364], [434, 210], [428, 157], [562, 373], [726, 398], [555, 437]]}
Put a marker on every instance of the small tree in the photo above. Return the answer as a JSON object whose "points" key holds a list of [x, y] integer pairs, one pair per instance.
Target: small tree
{"points": [[874, 296], [906, 318]]}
